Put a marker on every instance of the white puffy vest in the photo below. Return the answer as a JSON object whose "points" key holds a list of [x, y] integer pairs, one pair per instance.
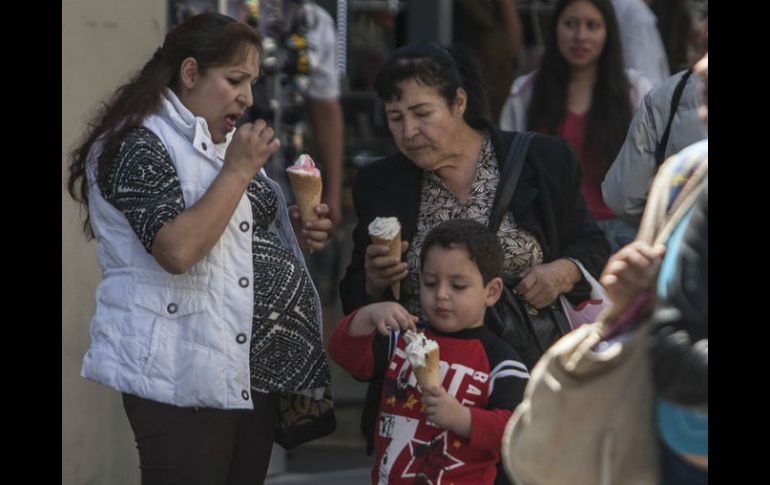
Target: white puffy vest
{"points": [[177, 339]]}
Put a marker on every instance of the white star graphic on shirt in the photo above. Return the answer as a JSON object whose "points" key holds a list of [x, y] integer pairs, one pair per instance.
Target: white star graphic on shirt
{"points": [[444, 457]]}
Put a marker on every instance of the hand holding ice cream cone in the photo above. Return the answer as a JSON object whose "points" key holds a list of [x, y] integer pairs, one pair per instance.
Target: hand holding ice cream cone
{"points": [[312, 236], [440, 407], [445, 411], [387, 231], [306, 183]]}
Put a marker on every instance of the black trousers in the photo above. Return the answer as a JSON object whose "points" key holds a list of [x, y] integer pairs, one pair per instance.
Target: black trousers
{"points": [[202, 446]]}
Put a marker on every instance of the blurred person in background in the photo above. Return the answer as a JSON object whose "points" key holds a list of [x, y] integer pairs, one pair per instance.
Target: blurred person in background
{"points": [[582, 93], [492, 28], [662, 126], [643, 47], [679, 340]]}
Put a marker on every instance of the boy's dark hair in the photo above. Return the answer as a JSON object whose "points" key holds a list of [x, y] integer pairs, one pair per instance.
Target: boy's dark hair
{"points": [[482, 246]]}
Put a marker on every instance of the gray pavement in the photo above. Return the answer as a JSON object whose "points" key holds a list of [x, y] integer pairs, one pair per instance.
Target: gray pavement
{"points": [[354, 476], [324, 463]]}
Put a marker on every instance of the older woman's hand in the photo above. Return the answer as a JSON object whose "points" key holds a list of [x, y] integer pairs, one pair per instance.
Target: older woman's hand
{"points": [[631, 271], [311, 235], [543, 283], [382, 269]]}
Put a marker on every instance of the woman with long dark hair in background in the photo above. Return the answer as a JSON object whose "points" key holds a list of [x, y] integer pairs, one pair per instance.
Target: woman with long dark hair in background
{"points": [[582, 93]]}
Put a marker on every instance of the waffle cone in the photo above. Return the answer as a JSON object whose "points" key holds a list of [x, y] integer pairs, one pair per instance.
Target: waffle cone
{"points": [[394, 249], [307, 192], [428, 375]]}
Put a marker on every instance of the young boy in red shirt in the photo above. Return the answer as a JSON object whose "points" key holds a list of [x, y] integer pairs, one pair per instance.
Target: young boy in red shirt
{"points": [[447, 434]]}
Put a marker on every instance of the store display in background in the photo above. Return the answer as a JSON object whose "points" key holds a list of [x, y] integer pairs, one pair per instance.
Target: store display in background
{"points": [[280, 95], [181, 10]]}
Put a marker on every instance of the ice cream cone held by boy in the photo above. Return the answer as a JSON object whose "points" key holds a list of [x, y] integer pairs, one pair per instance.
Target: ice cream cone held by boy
{"points": [[424, 357]]}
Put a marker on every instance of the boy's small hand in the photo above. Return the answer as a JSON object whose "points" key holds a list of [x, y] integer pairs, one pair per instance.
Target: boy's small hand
{"points": [[444, 410], [383, 316], [389, 315]]}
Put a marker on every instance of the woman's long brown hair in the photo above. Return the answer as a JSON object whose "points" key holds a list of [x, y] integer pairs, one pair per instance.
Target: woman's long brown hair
{"points": [[211, 39]]}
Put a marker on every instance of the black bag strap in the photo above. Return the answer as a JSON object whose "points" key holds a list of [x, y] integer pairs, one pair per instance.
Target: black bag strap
{"points": [[509, 177], [660, 150]]}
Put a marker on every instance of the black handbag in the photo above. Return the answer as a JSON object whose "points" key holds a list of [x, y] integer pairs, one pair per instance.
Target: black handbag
{"points": [[301, 418], [528, 330]]}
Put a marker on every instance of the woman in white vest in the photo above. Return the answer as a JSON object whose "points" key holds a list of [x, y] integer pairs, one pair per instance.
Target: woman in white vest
{"points": [[206, 311]]}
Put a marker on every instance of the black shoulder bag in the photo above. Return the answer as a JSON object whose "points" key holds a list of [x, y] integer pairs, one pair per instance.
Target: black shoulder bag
{"points": [[302, 418], [660, 149], [529, 331]]}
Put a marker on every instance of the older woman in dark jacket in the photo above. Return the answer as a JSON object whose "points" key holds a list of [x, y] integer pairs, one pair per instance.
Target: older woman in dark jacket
{"points": [[448, 168]]}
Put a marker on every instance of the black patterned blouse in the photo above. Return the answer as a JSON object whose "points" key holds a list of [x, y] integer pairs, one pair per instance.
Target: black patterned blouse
{"points": [[286, 348], [439, 204]]}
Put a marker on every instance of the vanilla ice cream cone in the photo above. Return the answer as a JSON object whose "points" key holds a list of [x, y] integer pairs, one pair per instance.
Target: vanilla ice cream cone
{"points": [[423, 355], [387, 231], [428, 374], [394, 249]]}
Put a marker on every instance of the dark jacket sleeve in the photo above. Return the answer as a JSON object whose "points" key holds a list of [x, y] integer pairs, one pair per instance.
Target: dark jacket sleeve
{"points": [[679, 343]]}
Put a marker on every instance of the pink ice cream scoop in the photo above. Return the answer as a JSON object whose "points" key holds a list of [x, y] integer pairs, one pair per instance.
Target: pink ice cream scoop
{"points": [[304, 165], [306, 184]]}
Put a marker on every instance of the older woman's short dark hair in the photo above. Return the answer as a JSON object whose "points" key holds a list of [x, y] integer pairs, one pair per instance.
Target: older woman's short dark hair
{"points": [[431, 64]]}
